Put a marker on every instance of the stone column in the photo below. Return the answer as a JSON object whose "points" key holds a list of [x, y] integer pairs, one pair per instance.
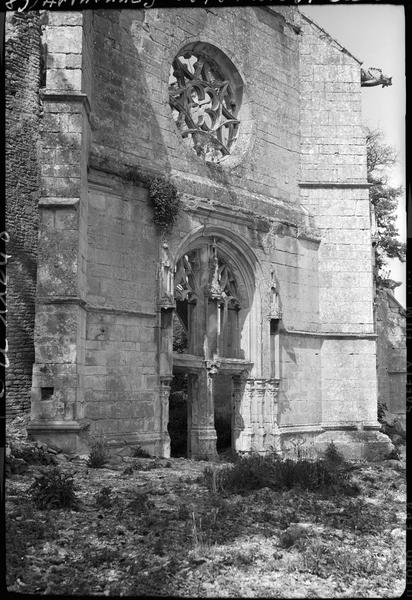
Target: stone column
{"points": [[272, 438], [57, 387], [198, 342], [238, 423], [164, 415], [202, 432], [244, 442], [259, 411]]}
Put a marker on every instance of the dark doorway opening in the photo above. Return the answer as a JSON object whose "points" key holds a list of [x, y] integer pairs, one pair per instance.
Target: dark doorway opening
{"points": [[177, 426], [223, 413]]}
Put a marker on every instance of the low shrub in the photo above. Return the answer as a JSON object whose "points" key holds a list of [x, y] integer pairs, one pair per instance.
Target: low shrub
{"points": [[15, 466], [54, 489], [141, 503], [382, 409], [97, 557], [253, 472], [333, 457], [357, 516], [390, 426], [183, 512], [394, 454], [32, 454], [395, 431], [103, 498], [99, 454], [140, 452]]}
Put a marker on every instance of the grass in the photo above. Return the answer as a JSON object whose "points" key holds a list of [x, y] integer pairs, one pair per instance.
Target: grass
{"points": [[162, 532], [254, 472]]}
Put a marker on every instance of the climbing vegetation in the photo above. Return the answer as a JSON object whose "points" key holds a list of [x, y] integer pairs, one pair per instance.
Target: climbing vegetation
{"points": [[163, 196], [165, 202], [384, 198]]}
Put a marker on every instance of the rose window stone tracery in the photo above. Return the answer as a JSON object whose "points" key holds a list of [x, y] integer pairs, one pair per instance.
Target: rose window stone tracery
{"points": [[204, 105]]}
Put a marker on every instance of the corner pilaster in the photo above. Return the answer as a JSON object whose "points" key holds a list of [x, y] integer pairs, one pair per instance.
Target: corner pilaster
{"points": [[57, 398]]}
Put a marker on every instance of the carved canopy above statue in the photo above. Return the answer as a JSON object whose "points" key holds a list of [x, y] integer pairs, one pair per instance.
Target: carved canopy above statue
{"points": [[207, 302], [221, 283]]}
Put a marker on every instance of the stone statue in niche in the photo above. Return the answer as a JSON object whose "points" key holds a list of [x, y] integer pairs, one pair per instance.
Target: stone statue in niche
{"points": [[215, 290], [166, 278], [274, 309], [371, 77]]}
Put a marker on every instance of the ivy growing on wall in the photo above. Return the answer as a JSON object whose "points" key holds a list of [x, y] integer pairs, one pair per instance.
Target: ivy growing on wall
{"points": [[165, 202], [163, 197]]}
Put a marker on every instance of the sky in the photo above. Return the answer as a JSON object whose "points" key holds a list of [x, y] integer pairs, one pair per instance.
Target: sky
{"points": [[375, 34]]}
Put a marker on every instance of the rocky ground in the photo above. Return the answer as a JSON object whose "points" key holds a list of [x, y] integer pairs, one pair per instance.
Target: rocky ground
{"points": [[151, 527]]}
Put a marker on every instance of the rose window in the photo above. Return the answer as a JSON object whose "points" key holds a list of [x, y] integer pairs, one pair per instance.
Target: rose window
{"points": [[205, 104]]}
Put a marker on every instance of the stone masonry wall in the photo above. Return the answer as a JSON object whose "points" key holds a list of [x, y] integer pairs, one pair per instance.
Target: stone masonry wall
{"points": [[121, 392], [300, 161], [295, 262], [60, 329], [132, 125], [300, 400], [133, 122], [334, 190], [333, 179], [23, 117]]}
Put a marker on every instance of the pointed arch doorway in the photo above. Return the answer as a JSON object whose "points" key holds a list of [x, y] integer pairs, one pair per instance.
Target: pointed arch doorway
{"points": [[210, 358]]}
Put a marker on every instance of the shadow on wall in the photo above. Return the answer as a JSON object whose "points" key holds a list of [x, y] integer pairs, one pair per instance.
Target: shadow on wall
{"points": [[22, 78], [285, 347], [21, 273], [125, 127]]}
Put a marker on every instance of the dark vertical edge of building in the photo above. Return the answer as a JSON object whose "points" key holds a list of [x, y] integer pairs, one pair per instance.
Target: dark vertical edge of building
{"points": [[2, 281], [408, 200], [3, 235]]}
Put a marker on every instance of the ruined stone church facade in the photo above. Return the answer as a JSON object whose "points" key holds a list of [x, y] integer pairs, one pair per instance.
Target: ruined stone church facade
{"points": [[253, 118]]}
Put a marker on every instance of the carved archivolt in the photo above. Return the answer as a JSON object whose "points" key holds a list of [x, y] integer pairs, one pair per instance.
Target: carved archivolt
{"points": [[204, 103]]}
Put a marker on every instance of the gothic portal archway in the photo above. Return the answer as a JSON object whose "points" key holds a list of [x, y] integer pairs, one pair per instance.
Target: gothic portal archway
{"points": [[213, 293]]}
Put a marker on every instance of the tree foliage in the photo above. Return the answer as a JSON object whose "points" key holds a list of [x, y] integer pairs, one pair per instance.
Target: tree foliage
{"points": [[384, 198]]}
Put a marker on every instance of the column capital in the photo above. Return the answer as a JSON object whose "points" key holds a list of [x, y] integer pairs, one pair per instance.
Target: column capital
{"points": [[165, 380], [212, 367]]}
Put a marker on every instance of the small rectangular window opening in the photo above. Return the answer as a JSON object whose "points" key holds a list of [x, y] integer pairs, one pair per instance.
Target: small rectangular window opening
{"points": [[274, 348], [274, 326], [47, 393]]}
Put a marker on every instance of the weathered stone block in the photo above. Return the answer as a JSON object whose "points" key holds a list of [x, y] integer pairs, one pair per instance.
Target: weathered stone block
{"points": [[65, 18], [61, 39]]}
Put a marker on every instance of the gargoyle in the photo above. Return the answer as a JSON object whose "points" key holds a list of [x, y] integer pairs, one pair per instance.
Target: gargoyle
{"points": [[372, 76]]}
